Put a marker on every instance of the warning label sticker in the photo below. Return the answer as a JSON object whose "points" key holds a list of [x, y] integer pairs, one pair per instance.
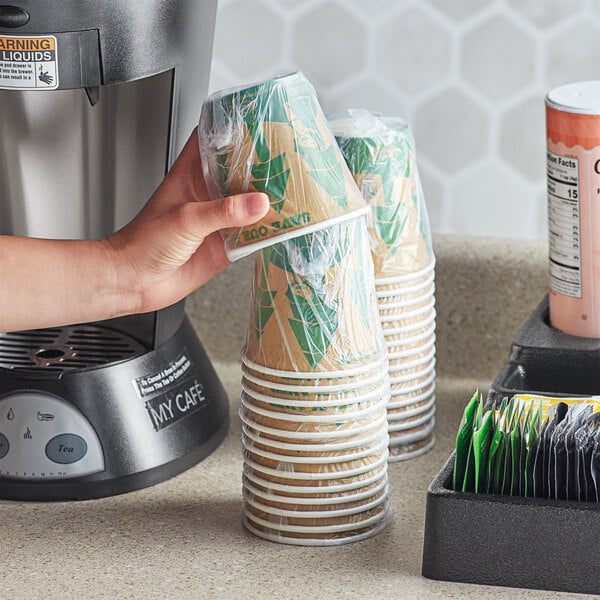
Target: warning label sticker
{"points": [[28, 63]]}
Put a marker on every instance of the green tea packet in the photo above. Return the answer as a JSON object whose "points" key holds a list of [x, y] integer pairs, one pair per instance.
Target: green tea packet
{"points": [[515, 449], [463, 443], [531, 439], [496, 449], [482, 438]]}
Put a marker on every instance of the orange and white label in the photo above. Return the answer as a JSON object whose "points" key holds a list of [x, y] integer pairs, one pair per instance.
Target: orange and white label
{"points": [[28, 63]]}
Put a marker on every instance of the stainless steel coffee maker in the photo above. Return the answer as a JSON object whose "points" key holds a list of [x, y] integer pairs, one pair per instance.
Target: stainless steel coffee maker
{"points": [[97, 97]]}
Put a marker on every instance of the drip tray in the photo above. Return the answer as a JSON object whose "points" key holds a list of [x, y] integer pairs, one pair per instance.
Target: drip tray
{"points": [[67, 348]]}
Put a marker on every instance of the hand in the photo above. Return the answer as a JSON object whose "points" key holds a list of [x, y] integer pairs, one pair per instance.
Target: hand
{"points": [[173, 246]]}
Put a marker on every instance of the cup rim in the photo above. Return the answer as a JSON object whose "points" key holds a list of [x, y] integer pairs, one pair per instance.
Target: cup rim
{"points": [[413, 453], [354, 443], [418, 385], [399, 424], [409, 340], [318, 514], [234, 254], [411, 351], [339, 374], [400, 440], [412, 327], [312, 489], [404, 290], [406, 276], [312, 403], [405, 303], [417, 362], [411, 412], [310, 435], [341, 499], [356, 415], [309, 460], [317, 528], [338, 387], [411, 376], [337, 541], [430, 306], [412, 400], [316, 476]]}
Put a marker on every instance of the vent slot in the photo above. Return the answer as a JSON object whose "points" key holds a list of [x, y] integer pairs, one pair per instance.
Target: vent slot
{"points": [[65, 349]]}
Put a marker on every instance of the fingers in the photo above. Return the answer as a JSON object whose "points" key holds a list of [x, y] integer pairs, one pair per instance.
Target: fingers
{"points": [[197, 220]]}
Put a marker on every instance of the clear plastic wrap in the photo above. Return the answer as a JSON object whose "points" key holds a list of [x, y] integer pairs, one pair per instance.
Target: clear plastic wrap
{"points": [[313, 305], [272, 137], [380, 153]]}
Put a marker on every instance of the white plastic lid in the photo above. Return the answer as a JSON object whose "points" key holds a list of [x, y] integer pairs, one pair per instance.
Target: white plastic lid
{"points": [[581, 97]]}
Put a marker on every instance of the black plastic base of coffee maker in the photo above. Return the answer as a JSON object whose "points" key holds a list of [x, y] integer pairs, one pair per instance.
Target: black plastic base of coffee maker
{"points": [[136, 452], [512, 541]]}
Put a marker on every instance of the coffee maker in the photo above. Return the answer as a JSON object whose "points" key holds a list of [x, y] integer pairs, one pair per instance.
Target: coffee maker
{"points": [[97, 98]]}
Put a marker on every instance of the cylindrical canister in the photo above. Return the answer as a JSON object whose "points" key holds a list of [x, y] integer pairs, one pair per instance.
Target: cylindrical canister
{"points": [[573, 165]]}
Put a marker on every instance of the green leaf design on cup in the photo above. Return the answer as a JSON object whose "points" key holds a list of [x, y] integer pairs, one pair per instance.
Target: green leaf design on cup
{"points": [[264, 299], [321, 157], [315, 321]]}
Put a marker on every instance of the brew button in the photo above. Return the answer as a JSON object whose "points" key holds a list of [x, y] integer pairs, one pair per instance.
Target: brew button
{"points": [[4, 445], [13, 16], [66, 448]]}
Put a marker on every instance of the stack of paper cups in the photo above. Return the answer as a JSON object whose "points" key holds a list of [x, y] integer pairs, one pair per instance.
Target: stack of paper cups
{"points": [[272, 137], [380, 154], [315, 393]]}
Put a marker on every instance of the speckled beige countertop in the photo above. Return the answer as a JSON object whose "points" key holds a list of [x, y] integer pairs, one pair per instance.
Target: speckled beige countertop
{"points": [[184, 538]]}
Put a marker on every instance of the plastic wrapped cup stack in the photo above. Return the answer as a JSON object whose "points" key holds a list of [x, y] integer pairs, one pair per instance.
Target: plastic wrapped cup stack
{"points": [[315, 393], [380, 154], [272, 137]]}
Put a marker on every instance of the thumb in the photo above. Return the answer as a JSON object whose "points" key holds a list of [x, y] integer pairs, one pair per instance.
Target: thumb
{"points": [[197, 220]]}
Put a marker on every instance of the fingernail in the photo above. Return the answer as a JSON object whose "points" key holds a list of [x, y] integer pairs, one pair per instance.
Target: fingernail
{"points": [[256, 204]]}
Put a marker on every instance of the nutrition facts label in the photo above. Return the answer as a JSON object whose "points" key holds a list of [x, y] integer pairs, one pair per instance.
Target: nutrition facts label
{"points": [[564, 225]]}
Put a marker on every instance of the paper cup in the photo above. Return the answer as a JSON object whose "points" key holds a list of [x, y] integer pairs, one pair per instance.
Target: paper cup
{"points": [[408, 364], [316, 524], [380, 155], [312, 400], [405, 290], [272, 137], [411, 450], [328, 434], [404, 302], [397, 423], [313, 305], [412, 385], [410, 351], [410, 410], [408, 326], [421, 311], [352, 443], [317, 457], [317, 488], [410, 339], [408, 436], [324, 500], [340, 509], [307, 379], [402, 400], [316, 478], [317, 538], [340, 385], [412, 278]]}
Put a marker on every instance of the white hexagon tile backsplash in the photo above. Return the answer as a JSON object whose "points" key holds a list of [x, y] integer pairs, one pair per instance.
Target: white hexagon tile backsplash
{"points": [[469, 75]]}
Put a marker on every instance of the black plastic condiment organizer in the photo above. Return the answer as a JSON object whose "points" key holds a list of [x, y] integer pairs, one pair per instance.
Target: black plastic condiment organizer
{"points": [[513, 541]]}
